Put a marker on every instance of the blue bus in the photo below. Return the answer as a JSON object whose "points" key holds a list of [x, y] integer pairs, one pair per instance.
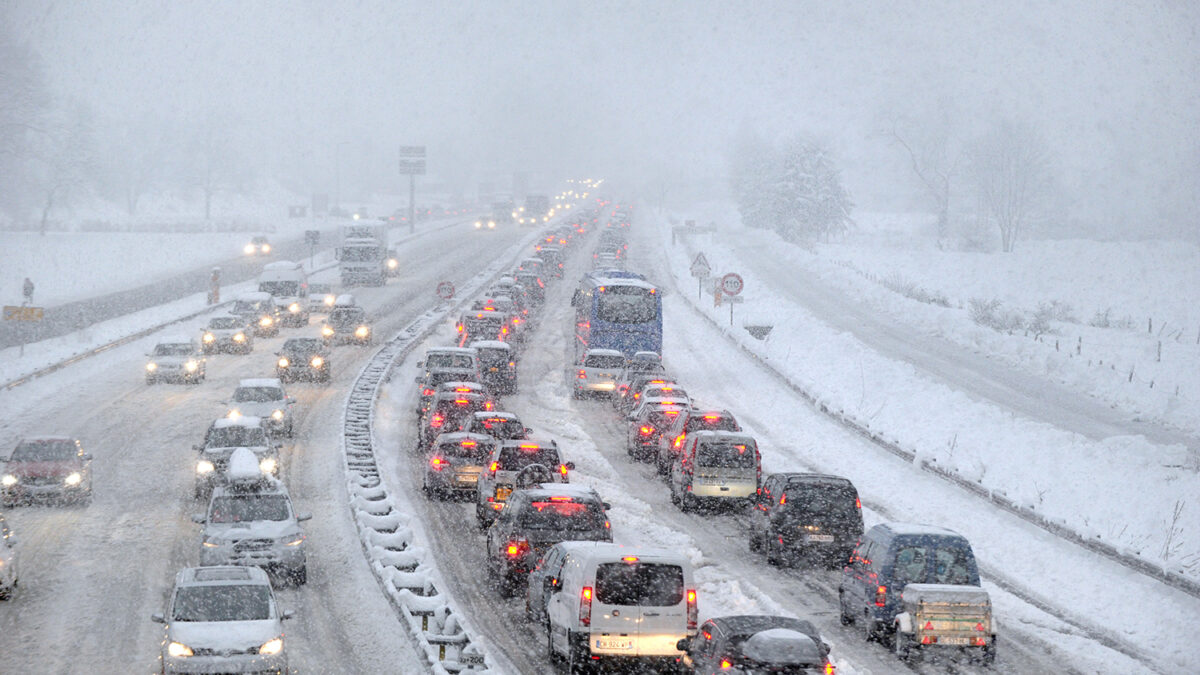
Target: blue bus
{"points": [[615, 309]]}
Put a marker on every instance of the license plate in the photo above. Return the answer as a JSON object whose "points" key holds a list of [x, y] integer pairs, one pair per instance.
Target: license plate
{"points": [[468, 477], [614, 643], [818, 537], [493, 370], [954, 641], [502, 493]]}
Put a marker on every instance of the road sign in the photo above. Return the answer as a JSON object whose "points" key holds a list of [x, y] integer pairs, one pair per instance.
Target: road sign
{"points": [[412, 151], [732, 284], [412, 160], [700, 266], [312, 237], [15, 313], [445, 290]]}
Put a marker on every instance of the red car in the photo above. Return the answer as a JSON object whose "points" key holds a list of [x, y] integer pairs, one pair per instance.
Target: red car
{"points": [[47, 468]]}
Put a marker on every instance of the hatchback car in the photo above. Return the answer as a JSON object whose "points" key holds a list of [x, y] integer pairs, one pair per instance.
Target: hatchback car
{"points": [[264, 397], [536, 519], [176, 360], [716, 468], [482, 325], [803, 516], [646, 426], [46, 468], [223, 437], [227, 333], [9, 561], [504, 466], [223, 620], [303, 358], [257, 246], [455, 462], [497, 365], [756, 644], [448, 411]]}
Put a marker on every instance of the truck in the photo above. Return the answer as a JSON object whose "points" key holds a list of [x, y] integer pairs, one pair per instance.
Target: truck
{"points": [[536, 210], [363, 253], [945, 616], [287, 282]]}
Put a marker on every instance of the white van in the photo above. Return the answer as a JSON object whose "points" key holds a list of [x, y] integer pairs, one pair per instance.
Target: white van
{"points": [[288, 283], [621, 602], [716, 467]]}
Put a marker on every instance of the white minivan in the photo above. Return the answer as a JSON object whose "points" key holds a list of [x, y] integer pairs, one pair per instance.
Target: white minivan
{"points": [[621, 603]]}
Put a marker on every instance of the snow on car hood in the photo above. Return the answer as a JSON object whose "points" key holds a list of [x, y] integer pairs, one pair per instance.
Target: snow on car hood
{"points": [[220, 635], [256, 409], [780, 646], [255, 529]]}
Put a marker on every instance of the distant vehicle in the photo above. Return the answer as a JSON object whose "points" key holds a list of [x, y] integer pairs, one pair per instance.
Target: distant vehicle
{"points": [[444, 364], [535, 211], [497, 365], [176, 360], [287, 282], [716, 468], [264, 397], [598, 371], [223, 437], [756, 644], [553, 257], [671, 441], [257, 246], [646, 426], [509, 460], [9, 561], [347, 324], [260, 310], [455, 462], [482, 325], [362, 256], [303, 358], [321, 297], [223, 620], [46, 469], [447, 411], [227, 333], [802, 516], [485, 223], [393, 263], [619, 313], [503, 426], [504, 212]]}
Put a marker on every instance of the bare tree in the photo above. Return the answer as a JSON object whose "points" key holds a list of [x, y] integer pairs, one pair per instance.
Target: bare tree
{"points": [[1011, 170], [934, 155], [68, 159], [24, 106], [215, 162]]}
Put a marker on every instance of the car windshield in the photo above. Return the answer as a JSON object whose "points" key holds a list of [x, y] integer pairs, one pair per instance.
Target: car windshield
{"points": [[449, 361], [344, 315], [248, 508], [610, 361], [517, 458], [494, 357], [236, 437], [361, 254], [713, 422], [626, 304], [45, 451], [637, 583], [240, 602], [950, 566], [726, 456], [302, 345], [248, 306], [661, 419], [226, 322], [179, 349], [504, 429], [280, 288], [562, 516], [257, 394]]}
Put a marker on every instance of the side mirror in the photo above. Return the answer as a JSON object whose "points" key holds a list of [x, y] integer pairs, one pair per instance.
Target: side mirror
{"points": [[301, 517], [417, 380], [549, 583], [684, 645], [198, 518], [528, 430], [158, 617], [570, 466], [420, 364], [196, 448], [87, 457], [607, 506], [286, 614]]}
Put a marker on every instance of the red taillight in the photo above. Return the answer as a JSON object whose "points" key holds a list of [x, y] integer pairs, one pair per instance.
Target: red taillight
{"points": [[978, 627], [469, 444], [881, 596], [582, 375], [460, 327], [436, 421], [725, 664], [857, 503], [427, 392], [562, 468], [712, 418], [646, 430], [493, 467], [437, 463], [517, 548], [693, 612], [783, 499], [585, 606], [828, 668]]}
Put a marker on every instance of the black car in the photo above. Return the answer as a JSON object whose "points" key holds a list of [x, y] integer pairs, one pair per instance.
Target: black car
{"points": [[503, 426], [534, 286], [447, 411], [303, 358], [537, 518], [810, 516], [756, 644], [497, 365], [347, 324]]}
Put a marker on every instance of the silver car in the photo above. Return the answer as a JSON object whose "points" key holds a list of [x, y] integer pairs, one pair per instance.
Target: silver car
{"points": [[177, 360], [251, 522], [223, 620], [227, 333], [263, 397]]}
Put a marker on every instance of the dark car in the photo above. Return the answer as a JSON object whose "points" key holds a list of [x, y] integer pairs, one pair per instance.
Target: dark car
{"points": [[497, 365], [455, 463], [447, 411], [641, 436], [756, 644], [347, 324], [47, 468], [227, 333], [534, 286], [304, 359], [503, 426], [628, 391], [482, 325], [553, 258], [671, 441], [534, 520], [806, 516]]}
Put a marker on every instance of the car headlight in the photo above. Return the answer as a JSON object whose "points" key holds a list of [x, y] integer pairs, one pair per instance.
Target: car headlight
{"points": [[9, 480], [268, 465], [277, 415], [330, 299], [327, 331], [152, 366], [317, 362], [211, 542], [249, 250], [73, 479], [478, 224], [204, 466], [393, 263], [283, 362], [294, 307], [234, 413], [271, 647], [178, 649], [208, 337], [191, 366], [265, 321], [294, 540], [491, 224], [362, 331], [266, 248], [239, 337]]}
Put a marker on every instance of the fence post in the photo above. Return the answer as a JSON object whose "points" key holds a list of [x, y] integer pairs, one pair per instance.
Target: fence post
{"points": [[1159, 356], [1079, 347], [1149, 324]]}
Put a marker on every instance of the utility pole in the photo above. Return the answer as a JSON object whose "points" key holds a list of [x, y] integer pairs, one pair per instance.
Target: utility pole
{"points": [[412, 163]]}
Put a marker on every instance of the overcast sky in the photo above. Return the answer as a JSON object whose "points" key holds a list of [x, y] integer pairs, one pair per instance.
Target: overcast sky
{"points": [[638, 87]]}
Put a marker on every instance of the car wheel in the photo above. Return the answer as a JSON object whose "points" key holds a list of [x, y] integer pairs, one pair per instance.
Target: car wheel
{"points": [[845, 617], [775, 553], [989, 652], [551, 655], [577, 661], [480, 520], [299, 577], [687, 502], [754, 542], [150, 380], [507, 585], [902, 646]]}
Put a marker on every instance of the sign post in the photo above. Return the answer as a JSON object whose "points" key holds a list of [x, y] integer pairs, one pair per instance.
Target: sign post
{"points": [[312, 238], [23, 313], [412, 164], [731, 284], [700, 269]]}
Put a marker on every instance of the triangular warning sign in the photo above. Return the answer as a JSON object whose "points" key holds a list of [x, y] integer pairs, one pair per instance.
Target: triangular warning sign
{"points": [[700, 266]]}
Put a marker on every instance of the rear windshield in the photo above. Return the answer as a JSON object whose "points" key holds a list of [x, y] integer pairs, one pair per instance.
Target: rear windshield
{"points": [[257, 394], [451, 406], [726, 456], [225, 322], [449, 361], [503, 429], [626, 304], [243, 602], [436, 379], [44, 451], [494, 356], [604, 361], [173, 350], [950, 565], [646, 584], [236, 437], [561, 515], [515, 459], [248, 508], [720, 423], [820, 499], [662, 419], [466, 450]]}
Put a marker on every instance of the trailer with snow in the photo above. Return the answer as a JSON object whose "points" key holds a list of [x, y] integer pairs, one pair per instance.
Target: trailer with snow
{"points": [[363, 254], [945, 616]]}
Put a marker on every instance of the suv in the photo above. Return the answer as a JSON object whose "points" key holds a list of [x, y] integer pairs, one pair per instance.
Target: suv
{"points": [[598, 372], [672, 439], [259, 310], [497, 365], [536, 519], [251, 522], [264, 397], [803, 515], [716, 467], [503, 426], [222, 438], [303, 358], [223, 620], [47, 468], [177, 359], [8, 561], [445, 364], [754, 643], [347, 323], [506, 463], [227, 333], [455, 463]]}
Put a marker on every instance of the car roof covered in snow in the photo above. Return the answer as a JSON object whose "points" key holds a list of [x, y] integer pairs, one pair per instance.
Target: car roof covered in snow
{"points": [[176, 340], [261, 382], [460, 436], [914, 530], [282, 265], [490, 344], [239, 421], [255, 296], [605, 352], [221, 575], [573, 490], [450, 350], [723, 436]]}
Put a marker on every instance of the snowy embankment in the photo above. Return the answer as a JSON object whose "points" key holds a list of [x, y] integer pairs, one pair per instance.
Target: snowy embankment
{"points": [[1120, 492]]}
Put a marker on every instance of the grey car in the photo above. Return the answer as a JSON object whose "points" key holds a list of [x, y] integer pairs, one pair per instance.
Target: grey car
{"points": [[175, 360], [227, 333], [223, 437]]}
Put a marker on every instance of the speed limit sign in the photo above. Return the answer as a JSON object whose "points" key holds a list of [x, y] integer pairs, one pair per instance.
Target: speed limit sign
{"points": [[732, 284], [445, 290]]}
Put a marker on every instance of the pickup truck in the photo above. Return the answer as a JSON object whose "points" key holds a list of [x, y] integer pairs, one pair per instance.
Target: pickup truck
{"points": [[939, 616]]}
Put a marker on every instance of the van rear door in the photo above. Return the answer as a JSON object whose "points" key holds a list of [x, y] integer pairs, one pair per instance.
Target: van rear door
{"points": [[725, 469], [639, 608]]}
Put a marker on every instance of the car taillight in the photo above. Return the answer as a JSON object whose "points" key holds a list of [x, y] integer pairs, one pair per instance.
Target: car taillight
{"points": [[679, 440], [857, 503], [516, 548], [693, 612], [562, 468], [585, 606], [726, 664], [828, 668], [646, 430], [881, 596], [493, 467], [427, 392], [437, 463], [436, 421]]}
